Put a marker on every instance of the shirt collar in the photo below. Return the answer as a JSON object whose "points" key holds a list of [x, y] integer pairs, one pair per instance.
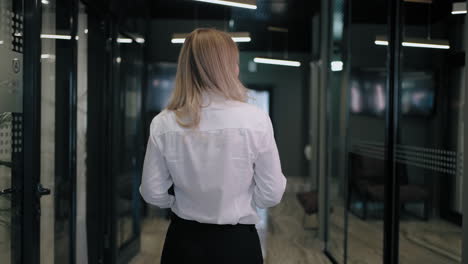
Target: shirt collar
{"points": [[210, 99]]}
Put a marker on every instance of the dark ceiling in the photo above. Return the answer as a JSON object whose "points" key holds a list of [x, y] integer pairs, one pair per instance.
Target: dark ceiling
{"points": [[295, 15]]}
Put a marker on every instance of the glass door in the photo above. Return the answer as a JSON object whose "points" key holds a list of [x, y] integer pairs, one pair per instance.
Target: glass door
{"points": [[429, 147], [129, 75], [11, 129], [58, 107]]}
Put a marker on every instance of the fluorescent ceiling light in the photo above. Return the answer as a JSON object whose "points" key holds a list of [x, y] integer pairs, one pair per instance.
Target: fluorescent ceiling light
{"points": [[417, 43], [381, 42], [52, 36], [177, 40], [45, 2], [236, 37], [459, 8], [124, 40], [241, 39], [425, 45], [250, 4], [277, 62], [140, 40], [420, 1], [336, 66], [47, 56]]}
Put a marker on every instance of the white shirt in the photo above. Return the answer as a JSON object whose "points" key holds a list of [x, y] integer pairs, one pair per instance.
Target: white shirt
{"points": [[221, 171]]}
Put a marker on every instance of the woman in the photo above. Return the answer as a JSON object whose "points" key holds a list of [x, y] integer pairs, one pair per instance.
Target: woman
{"points": [[218, 152]]}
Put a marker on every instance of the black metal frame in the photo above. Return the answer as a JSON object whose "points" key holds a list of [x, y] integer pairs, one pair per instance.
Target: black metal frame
{"points": [[31, 131], [105, 131], [392, 195], [65, 125], [96, 209]]}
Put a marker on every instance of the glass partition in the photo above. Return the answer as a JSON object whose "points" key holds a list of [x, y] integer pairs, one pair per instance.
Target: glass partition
{"points": [[128, 72], [428, 164], [430, 136], [11, 116]]}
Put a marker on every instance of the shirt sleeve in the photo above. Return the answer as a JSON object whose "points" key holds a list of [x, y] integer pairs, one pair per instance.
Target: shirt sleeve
{"points": [[270, 182], [156, 179]]}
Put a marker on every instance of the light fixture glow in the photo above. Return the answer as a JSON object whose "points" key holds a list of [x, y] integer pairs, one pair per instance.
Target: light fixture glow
{"points": [[1, 42], [52, 36], [179, 38], [45, 2], [381, 42], [241, 39], [425, 45], [18, 34], [230, 3], [336, 66], [124, 40], [140, 40], [459, 8], [118, 60], [47, 56], [86, 31], [416, 43], [277, 62]]}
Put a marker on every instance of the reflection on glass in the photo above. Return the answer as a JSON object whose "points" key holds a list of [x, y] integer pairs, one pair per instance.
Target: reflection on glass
{"points": [[130, 76], [367, 86], [11, 109], [431, 136]]}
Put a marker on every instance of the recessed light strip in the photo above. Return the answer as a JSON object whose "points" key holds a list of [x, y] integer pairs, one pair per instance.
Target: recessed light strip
{"points": [[241, 4], [277, 62], [124, 40], [241, 39], [459, 8], [425, 45], [236, 37], [53, 36], [417, 43]]}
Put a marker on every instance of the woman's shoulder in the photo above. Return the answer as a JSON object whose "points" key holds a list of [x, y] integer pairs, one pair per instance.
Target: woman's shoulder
{"points": [[161, 123], [253, 111]]}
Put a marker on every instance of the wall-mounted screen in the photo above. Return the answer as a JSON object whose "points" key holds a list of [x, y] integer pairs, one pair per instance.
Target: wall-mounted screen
{"points": [[368, 93]]}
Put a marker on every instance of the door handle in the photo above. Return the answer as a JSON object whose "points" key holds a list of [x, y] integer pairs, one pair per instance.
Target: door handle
{"points": [[7, 191], [42, 191]]}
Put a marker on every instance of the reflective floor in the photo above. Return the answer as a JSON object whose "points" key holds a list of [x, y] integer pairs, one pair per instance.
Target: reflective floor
{"points": [[282, 232], [432, 242]]}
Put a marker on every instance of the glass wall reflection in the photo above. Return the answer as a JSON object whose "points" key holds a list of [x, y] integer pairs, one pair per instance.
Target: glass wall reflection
{"points": [[11, 112], [429, 148], [129, 74], [367, 86], [337, 99]]}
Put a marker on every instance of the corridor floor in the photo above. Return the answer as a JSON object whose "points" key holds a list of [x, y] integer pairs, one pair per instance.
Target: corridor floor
{"points": [[284, 239]]}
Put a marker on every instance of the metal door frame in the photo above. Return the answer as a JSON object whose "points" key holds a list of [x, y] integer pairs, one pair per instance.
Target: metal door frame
{"points": [[465, 155]]}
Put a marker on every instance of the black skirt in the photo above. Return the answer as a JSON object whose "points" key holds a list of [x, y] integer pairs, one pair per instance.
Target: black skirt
{"points": [[193, 242]]}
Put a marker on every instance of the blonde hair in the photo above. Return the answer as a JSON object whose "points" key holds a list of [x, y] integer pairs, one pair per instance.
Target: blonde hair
{"points": [[207, 64]]}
